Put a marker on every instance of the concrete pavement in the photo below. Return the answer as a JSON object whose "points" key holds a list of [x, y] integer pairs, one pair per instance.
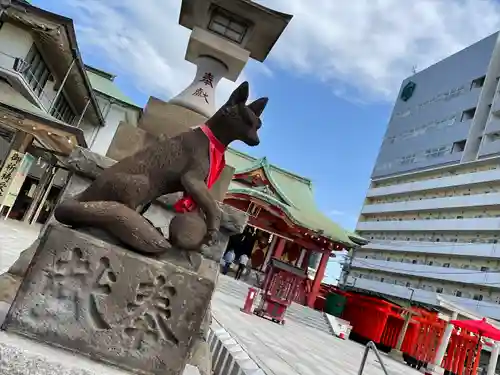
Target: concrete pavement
{"points": [[295, 349], [15, 236], [292, 349]]}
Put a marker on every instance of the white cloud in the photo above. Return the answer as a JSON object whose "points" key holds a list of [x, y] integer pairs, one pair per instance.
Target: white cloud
{"points": [[142, 40], [345, 219], [370, 46], [361, 48], [336, 213]]}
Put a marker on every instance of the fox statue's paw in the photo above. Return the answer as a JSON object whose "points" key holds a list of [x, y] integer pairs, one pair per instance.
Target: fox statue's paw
{"points": [[211, 238]]}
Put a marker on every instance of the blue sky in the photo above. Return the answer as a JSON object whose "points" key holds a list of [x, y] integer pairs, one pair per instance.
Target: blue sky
{"points": [[331, 78]]}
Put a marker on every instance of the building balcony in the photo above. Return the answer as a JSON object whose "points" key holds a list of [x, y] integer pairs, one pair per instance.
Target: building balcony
{"points": [[489, 148], [15, 73], [423, 163], [456, 275], [489, 250], [495, 106], [437, 225], [493, 125], [481, 308], [476, 200], [437, 183]]}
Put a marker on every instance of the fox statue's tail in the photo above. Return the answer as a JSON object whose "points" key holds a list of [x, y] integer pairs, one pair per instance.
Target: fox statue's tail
{"points": [[125, 224]]}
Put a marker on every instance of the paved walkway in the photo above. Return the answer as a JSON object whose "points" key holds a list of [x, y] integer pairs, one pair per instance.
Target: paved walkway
{"points": [[15, 236], [292, 349], [295, 349]]}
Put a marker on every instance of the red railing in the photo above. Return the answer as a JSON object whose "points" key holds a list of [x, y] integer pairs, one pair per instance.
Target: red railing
{"points": [[463, 354], [380, 321]]}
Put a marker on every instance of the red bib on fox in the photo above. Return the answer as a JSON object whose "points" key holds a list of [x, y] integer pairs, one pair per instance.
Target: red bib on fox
{"points": [[217, 164]]}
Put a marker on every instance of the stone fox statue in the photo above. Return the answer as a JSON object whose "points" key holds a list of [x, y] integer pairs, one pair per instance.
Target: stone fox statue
{"points": [[185, 163]]}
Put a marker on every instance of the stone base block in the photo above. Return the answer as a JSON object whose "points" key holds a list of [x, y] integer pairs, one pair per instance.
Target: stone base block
{"points": [[397, 355], [163, 118], [19, 355], [128, 140], [434, 370], [85, 295]]}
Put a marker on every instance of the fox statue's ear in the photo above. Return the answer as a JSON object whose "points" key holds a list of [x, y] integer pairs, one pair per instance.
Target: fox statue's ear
{"points": [[240, 95], [258, 106]]}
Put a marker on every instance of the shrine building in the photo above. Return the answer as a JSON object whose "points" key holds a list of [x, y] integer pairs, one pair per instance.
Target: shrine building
{"points": [[284, 221]]}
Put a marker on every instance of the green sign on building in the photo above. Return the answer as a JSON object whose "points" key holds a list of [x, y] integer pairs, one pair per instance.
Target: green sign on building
{"points": [[407, 91]]}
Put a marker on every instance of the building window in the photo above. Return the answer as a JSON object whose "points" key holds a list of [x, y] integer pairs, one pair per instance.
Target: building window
{"points": [[439, 290], [478, 83], [468, 114], [493, 137], [225, 24], [478, 297], [458, 146], [62, 111], [35, 71]]}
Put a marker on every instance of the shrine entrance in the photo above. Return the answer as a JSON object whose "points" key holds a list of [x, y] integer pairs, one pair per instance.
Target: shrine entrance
{"points": [[259, 245], [254, 243], [269, 235], [32, 146]]}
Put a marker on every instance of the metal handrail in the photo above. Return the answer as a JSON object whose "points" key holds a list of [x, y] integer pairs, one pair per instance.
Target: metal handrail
{"points": [[371, 345]]}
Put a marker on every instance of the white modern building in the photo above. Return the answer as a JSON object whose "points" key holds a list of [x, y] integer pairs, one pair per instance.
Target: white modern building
{"points": [[50, 102], [432, 211]]}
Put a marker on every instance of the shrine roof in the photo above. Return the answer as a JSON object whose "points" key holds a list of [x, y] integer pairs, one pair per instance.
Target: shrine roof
{"points": [[103, 82], [357, 239], [294, 195]]}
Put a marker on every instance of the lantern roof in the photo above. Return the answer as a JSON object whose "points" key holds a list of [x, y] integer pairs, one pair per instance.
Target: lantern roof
{"points": [[265, 24]]}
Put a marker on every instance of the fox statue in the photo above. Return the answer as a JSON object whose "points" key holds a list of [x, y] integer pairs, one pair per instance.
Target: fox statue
{"points": [[188, 163]]}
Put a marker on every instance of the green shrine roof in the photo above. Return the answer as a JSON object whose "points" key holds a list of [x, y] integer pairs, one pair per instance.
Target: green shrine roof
{"points": [[103, 82], [292, 193]]}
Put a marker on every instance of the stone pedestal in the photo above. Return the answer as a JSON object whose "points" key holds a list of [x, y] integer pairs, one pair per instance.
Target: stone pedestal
{"points": [[163, 118], [158, 119], [85, 295], [127, 140]]}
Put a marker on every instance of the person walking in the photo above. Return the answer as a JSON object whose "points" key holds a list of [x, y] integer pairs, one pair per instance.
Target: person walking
{"points": [[242, 264], [228, 259]]}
